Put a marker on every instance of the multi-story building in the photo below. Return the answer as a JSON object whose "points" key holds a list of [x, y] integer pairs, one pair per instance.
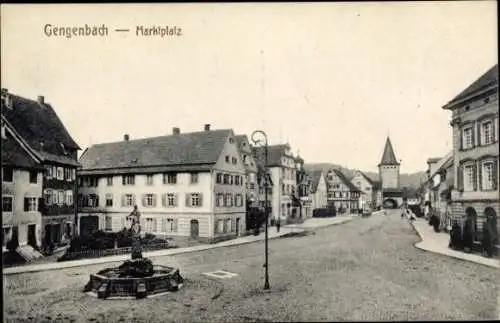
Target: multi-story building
{"points": [[303, 195], [189, 185], [282, 174], [475, 196], [392, 195], [250, 166], [38, 125], [369, 187], [318, 189], [22, 176], [342, 194]]}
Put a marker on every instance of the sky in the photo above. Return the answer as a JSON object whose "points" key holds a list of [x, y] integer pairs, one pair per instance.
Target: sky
{"points": [[331, 79]]}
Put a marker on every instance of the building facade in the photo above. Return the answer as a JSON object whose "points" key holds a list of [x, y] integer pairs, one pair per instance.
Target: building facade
{"points": [[282, 174], [303, 195], [342, 194], [392, 196], [475, 196], [22, 176], [318, 189], [189, 185], [45, 136], [371, 189]]}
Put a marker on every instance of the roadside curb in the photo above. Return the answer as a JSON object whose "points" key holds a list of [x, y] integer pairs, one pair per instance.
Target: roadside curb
{"points": [[465, 257], [121, 258], [322, 226]]}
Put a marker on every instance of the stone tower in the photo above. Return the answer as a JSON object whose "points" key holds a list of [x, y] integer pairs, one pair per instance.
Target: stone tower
{"points": [[388, 168]]}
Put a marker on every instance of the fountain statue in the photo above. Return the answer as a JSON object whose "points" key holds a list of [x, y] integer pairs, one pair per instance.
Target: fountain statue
{"points": [[137, 277]]}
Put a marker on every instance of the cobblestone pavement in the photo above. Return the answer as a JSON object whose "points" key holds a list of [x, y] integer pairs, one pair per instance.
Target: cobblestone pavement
{"points": [[367, 269]]}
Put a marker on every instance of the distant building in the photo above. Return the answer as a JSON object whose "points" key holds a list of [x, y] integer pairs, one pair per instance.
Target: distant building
{"points": [[475, 196], [282, 173], [392, 195], [35, 124], [189, 185], [303, 191], [371, 189], [318, 189], [342, 194]]}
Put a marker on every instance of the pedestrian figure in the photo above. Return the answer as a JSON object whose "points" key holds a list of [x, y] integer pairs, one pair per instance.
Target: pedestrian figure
{"points": [[278, 224]]}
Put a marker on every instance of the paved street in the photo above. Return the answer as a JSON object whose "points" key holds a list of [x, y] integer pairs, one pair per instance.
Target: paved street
{"points": [[366, 269]]}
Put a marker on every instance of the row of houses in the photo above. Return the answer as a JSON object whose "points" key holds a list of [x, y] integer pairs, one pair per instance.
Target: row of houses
{"points": [[462, 186]]}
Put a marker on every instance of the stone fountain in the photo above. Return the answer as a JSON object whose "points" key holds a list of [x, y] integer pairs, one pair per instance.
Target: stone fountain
{"points": [[137, 277]]}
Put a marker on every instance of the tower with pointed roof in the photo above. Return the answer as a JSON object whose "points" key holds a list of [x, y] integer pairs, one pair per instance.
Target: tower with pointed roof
{"points": [[389, 176]]}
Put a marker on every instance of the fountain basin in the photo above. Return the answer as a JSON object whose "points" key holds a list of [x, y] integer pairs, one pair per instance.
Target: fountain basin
{"points": [[107, 283]]}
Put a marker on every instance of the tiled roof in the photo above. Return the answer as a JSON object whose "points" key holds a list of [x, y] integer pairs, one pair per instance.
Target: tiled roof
{"points": [[315, 177], [14, 155], [367, 178], [388, 157], [346, 181], [195, 148], [275, 152], [240, 139], [485, 81], [36, 122], [441, 163]]}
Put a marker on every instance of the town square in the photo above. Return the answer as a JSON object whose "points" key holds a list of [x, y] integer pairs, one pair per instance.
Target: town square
{"points": [[279, 173]]}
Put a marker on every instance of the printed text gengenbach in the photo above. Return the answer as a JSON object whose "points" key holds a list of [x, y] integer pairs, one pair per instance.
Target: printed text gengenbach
{"points": [[75, 31]]}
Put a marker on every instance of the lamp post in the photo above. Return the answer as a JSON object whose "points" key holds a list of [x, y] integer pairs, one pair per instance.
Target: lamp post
{"points": [[259, 138]]}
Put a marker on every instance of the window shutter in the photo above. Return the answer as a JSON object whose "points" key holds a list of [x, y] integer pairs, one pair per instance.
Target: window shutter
{"points": [[97, 200], [474, 177], [480, 175], [473, 135], [143, 200], [176, 199], [201, 199], [478, 128], [495, 175], [155, 221], [461, 136], [26, 204], [460, 178], [123, 222], [123, 180], [124, 200], [187, 199], [154, 202], [41, 204], [164, 200], [175, 225]]}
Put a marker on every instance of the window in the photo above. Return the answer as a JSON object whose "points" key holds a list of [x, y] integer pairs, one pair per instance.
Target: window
{"points": [[149, 179], [60, 173], [49, 199], [219, 201], [218, 178], [69, 197], [6, 203], [128, 180], [30, 204], [48, 171], [227, 159], [468, 178], [170, 178], [128, 200], [33, 177], [234, 160], [60, 197], [109, 200], [238, 200], [93, 200], [194, 199], [194, 178], [467, 138], [73, 174], [68, 174], [93, 181], [149, 200], [7, 174], [487, 133], [226, 179], [228, 201], [227, 225], [150, 225], [171, 200], [108, 225], [109, 180], [237, 180], [4, 135], [487, 176], [220, 226], [169, 225]]}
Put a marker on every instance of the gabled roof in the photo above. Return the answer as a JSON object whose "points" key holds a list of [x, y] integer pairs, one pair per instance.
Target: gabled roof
{"points": [[193, 149], [275, 152], [433, 160], [441, 164], [388, 157], [14, 155], [315, 177], [487, 81], [345, 180], [240, 139], [36, 122]]}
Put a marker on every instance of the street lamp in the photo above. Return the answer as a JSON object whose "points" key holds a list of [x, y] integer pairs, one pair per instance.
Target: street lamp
{"points": [[259, 138]]}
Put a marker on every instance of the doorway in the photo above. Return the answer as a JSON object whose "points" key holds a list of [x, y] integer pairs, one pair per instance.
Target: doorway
{"points": [[237, 226], [195, 227], [32, 235]]}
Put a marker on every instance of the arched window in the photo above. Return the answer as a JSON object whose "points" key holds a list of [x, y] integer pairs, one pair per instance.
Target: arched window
{"points": [[492, 223]]}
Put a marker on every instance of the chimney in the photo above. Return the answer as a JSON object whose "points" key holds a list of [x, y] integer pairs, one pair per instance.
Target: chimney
{"points": [[176, 130], [41, 99], [207, 127], [126, 137]]}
